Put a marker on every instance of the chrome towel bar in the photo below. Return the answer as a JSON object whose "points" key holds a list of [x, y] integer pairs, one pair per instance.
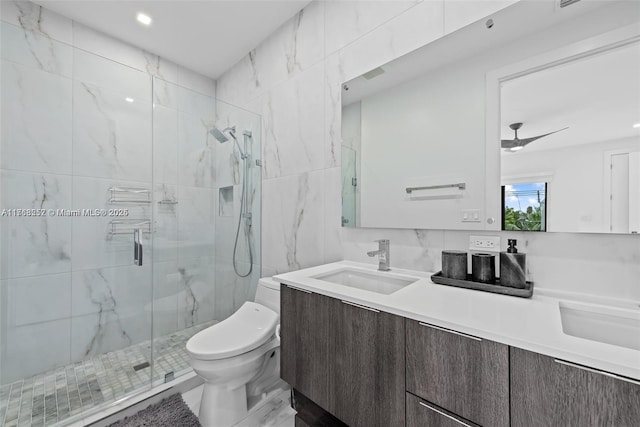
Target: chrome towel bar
{"points": [[460, 186]]}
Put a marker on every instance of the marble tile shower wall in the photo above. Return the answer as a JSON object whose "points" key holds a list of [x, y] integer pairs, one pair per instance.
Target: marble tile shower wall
{"points": [[293, 79], [231, 289], [68, 135]]}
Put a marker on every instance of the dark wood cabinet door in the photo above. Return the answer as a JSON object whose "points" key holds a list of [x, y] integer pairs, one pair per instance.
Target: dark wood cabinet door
{"points": [[465, 375], [421, 413], [367, 366], [305, 331], [550, 392]]}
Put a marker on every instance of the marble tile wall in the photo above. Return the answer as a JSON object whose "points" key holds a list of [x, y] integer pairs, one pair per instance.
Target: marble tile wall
{"points": [[293, 80], [232, 290], [77, 120]]}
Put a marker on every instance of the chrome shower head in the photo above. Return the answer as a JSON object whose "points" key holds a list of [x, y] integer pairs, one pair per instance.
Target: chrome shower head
{"points": [[219, 134], [222, 138]]}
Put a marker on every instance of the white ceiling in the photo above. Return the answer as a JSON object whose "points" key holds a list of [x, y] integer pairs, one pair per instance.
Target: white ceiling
{"points": [[597, 97], [207, 36]]}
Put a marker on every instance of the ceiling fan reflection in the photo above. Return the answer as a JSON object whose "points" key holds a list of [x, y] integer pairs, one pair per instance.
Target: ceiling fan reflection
{"points": [[517, 143]]}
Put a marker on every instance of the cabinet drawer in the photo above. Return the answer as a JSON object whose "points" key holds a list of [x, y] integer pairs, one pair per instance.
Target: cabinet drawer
{"points": [[421, 413], [549, 392], [465, 375]]}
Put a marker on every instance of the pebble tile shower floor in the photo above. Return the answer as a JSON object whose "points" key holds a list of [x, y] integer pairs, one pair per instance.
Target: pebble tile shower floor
{"points": [[56, 395]]}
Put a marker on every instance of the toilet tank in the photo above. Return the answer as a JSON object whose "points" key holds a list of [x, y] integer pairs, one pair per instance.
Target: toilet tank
{"points": [[268, 293]]}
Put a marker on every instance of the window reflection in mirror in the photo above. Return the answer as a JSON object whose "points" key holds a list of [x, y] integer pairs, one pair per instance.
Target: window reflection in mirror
{"points": [[524, 206]]}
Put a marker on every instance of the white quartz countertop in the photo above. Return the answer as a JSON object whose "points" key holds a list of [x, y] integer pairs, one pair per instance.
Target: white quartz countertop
{"points": [[532, 324]]}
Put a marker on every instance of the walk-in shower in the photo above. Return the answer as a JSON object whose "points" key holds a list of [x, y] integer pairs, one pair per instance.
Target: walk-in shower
{"points": [[245, 211], [94, 148]]}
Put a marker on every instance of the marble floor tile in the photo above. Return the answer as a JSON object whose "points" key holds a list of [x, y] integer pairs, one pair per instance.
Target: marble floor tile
{"points": [[274, 411]]}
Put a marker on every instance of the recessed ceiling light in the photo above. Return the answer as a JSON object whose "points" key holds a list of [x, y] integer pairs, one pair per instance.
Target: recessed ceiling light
{"points": [[128, 99], [143, 19], [637, 125]]}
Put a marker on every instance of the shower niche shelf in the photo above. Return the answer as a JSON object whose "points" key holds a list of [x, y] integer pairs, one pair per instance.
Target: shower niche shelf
{"points": [[129, 195], [225, 201]]}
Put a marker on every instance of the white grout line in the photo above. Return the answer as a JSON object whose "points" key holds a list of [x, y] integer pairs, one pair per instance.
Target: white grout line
{"points": [[20, 402]]}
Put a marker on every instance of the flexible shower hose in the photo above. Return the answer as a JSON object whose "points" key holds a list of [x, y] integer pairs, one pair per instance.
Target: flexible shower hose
{"points": [[248, 228]]}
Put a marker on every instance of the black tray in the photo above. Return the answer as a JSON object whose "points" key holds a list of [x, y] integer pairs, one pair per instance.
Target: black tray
{"points": [[496, 288]]}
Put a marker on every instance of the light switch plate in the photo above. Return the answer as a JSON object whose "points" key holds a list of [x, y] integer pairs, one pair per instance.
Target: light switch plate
{"points": [[470, 215], [484, 243]]}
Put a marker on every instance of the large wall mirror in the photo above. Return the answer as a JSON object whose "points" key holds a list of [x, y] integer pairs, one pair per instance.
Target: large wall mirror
{"points": [[450, 135]]}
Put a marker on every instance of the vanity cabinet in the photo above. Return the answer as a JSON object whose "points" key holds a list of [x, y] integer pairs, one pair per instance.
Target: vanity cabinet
{"points": [[463, 374], [550, 392], [347, 358], [346, 363]]}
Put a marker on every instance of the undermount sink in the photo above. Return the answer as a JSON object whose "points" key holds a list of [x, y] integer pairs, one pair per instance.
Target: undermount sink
{"points": [[381, 282], [615, 326]]}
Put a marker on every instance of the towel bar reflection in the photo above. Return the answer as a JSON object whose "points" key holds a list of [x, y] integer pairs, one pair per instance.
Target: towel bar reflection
{"points": [[459, 186], [123, 226], [129, 195]]}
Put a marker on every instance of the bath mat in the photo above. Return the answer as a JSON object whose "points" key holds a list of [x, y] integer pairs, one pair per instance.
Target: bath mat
{"points": [[170, 412]]}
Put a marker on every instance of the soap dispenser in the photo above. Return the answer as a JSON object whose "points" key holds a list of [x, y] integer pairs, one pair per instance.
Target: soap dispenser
{"points": [[513, 266]]}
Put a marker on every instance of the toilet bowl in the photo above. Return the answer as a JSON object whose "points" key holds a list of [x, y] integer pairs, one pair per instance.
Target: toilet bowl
{"points": [[238, 357]]}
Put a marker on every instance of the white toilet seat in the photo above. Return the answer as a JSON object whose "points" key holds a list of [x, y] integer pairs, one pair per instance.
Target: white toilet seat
{"points": [[234, 363], [245, 330]]}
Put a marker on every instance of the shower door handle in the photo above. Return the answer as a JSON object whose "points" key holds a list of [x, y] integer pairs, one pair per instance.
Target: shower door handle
{"points": [[137, 246]]}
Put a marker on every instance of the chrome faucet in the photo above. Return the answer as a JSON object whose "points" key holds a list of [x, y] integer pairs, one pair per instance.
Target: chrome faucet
{"points": [[383, 255]]}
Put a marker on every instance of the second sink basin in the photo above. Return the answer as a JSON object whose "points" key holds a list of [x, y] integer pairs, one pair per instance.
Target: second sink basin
{"points": [[374, 281], [619, 327]]}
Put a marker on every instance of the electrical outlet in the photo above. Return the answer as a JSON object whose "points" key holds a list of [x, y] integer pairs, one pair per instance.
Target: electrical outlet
{"points": [[484, 243]]}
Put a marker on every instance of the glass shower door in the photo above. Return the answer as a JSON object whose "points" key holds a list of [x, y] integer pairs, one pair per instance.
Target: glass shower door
{"points": [[75, 181], [184, 223], [198, 182], [111, 305]]}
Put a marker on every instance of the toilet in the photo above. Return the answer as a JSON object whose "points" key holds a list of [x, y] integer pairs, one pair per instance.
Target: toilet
{"points": [[238, 358]]}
